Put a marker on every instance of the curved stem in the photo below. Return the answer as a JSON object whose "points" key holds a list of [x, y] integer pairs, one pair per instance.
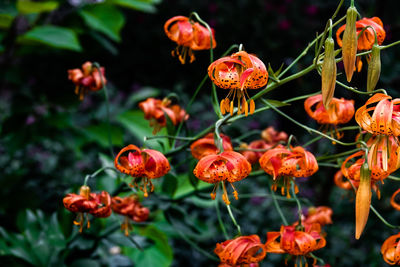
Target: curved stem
{"points": [[391, 177], [277, 207], [383, 219], [97, 172], [334, 156], [228, 207], [221, 223], [361, 92], [169, 136], [339, 130], [299, 209], [97, 66]]}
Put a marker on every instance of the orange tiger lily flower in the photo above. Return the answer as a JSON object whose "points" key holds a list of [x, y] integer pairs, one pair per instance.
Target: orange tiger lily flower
{"points": [[206, 146], [340, 111], [296, 162], [367, 39], [99, 205], [254, 156], [272, 136], [321, 215], [393, 202], [238, 72], [228, 166], [385, 117], [155, 110], [146, 163], [87, 79], [189, 36], [131, 209], [295, 242], [241, 250], [391, 250]]}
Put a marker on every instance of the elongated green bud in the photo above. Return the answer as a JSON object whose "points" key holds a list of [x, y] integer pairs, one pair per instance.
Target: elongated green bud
{"points": [[328, 73], [374, 68], [349, 48], [363, 199]]}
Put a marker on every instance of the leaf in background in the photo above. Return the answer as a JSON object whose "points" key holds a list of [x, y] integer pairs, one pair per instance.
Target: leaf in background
{"points": [[54, 36], [107, 44], [160, 254], [99, 134], [170, 184], [185, 186], [141, 5], [6, 20], [31, 7], [141, 95], [106, 19]]}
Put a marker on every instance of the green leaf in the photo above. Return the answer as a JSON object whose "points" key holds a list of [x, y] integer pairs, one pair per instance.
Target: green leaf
{"points": [[141, 5], [99, 134], [105, 19], [54, 36], [6, 20], [31, 7], [160, 254], [185, 186], [170, 184], [277, 103]]}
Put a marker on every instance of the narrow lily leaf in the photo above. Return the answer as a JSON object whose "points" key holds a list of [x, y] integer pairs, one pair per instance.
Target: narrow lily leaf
{"points": [[363, 200], [33, 7]]}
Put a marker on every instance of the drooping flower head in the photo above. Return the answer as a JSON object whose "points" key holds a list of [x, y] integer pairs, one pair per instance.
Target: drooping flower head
{"points": [[99, 205], [142, 163], [206, 146], [367, 39], [321, 215], [254, 156], [393, 202], [131, 208], [272, 136], [281, 161], [241, 250], [294, 241], [340, 111], [87, 79], [385, 117], [391, 250], [155, 110], [238, 72], [228, 166], [189, 35]]}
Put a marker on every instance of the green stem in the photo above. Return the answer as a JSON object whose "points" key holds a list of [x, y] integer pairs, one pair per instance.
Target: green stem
{"points": [[221, 223], [317, 258], [228, 207], [97, 66], [383, 219], [338, 130], [338, 155], [169, 136], [97, 172], [326, 164], [299, 210], [394, 178], [389, 45], [361, 92], [276, 204], [311, 130], [247, 134]]}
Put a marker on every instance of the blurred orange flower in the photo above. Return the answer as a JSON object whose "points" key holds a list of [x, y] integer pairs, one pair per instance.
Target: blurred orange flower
{"points": [[238, 72], [321, 215], [254, 156], [87, 79], [155, 110], [340, 111], [295, 242], [146, 163], [189, 35], [205, 146], [228, 166], [99, 205], [241, 250], [272, 136], [131, 208], [391, 250], [385, 117]]}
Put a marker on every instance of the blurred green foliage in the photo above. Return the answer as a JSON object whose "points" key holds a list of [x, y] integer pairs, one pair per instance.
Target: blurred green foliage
{"points": [[49, 140]]}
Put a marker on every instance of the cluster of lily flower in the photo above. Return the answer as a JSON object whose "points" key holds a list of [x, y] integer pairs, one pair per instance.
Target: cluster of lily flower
{"points": [[379, 119]]}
